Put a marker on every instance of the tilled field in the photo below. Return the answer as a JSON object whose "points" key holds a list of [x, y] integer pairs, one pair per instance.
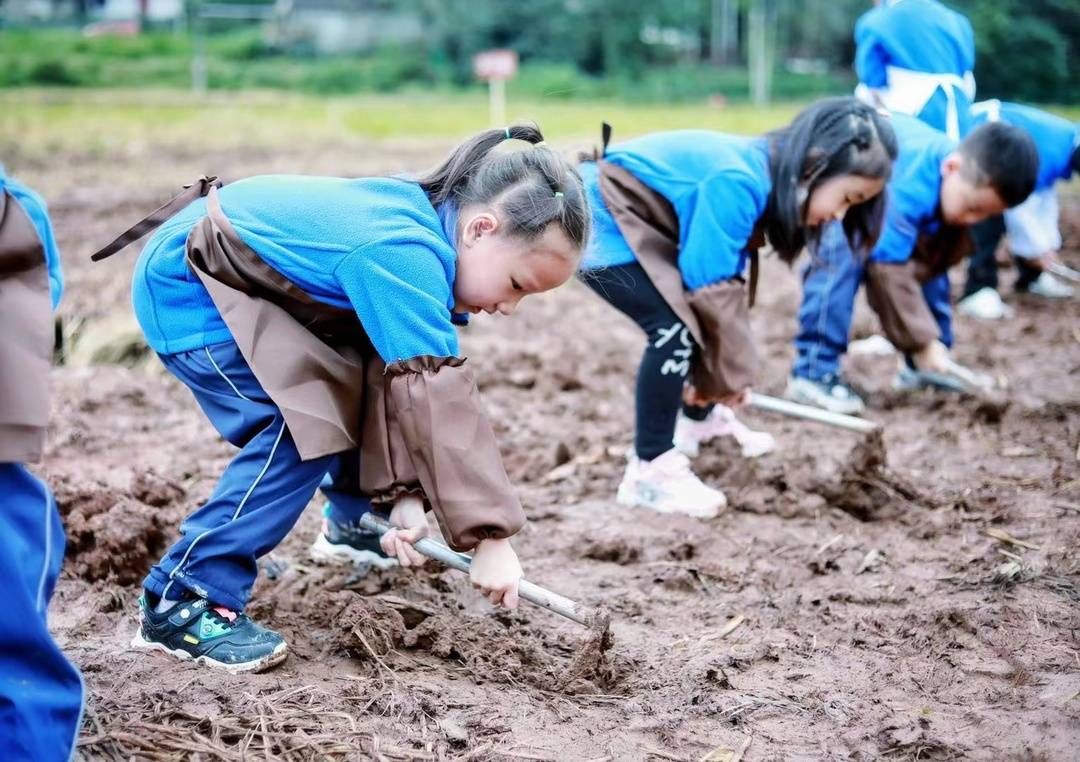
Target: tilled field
{"points": [[911, 598]]}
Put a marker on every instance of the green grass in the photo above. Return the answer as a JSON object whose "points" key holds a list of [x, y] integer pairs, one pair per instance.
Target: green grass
{"points": [[35, 123]]}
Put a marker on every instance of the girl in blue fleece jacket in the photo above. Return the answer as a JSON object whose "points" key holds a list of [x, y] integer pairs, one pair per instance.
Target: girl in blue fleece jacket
{"points": [[406, 260], [709, 201]]}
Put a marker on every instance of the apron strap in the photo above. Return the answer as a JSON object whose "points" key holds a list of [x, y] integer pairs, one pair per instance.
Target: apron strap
{"points": [[601, 152], [191, 191]]}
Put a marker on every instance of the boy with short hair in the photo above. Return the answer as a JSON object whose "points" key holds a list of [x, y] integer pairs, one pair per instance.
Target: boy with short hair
{"points": [[916, 57], [1032, 227], [937, 190]]}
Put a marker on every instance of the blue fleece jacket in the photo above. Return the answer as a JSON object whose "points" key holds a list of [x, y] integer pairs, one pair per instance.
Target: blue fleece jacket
{"points": [[914, 189], [1056, 138], [717, 184], [35, 208], [373, 245], [920, 35]]}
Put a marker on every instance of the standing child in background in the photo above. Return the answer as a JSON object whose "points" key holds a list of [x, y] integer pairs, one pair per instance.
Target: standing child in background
{"points": [[676, 215], [275, 297], [938, 189], [916, 57], [41, 692], [1032, 227]]}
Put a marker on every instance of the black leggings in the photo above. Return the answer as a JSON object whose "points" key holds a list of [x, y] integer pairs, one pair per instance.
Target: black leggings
{"points": [[666, 361], [982, 267]]}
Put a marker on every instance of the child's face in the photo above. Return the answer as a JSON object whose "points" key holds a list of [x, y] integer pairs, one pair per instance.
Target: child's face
{"points": [[962, 201], [831, 199], [495, 270]]}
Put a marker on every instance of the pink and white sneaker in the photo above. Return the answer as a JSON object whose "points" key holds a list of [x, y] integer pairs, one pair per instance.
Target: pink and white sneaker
{"points": [[689, 434], [666, 484]]}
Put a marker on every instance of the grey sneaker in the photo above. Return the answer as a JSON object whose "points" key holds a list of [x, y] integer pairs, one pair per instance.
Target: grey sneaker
{"points": [[956, 378], [1049, 287], [339, 543], [828, 393]]}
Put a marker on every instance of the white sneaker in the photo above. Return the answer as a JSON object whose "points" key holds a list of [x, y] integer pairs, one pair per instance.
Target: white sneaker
{"points": [[984, 304], [666, 484], [1049, 287], [689, 434]]}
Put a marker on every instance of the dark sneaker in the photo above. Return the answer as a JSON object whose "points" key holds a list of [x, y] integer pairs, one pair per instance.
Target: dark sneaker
{"points": [[340, 543], [211, 635]]}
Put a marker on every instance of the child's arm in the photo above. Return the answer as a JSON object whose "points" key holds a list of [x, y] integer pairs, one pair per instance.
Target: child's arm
{"points": [[713, 244], [425, 431]]}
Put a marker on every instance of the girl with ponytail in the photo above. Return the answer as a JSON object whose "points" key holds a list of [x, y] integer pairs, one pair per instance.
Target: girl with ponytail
{"points": [[313, 319], [677, 216]]}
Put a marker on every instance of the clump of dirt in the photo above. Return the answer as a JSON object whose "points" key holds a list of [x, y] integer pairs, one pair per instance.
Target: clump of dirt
{"points": [[866, 489], [989, 409], [109, 534], [153, 489], [615, 550], [589, 660], [367, 627]]}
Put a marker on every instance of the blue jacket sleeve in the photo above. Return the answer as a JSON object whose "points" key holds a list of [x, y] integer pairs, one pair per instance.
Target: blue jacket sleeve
{"points": [[716, 221], [400, 291], [870, 55], [38, 212]]}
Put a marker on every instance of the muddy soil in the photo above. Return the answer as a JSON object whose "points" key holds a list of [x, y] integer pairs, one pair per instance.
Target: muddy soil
{"points": [[856, 602]]}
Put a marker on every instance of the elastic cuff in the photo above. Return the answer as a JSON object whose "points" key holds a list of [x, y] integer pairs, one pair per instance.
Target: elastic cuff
{"points": [[422, 363]]}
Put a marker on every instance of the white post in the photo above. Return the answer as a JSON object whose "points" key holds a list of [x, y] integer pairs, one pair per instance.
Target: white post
{"points": [[497, 101], [758, 53]]}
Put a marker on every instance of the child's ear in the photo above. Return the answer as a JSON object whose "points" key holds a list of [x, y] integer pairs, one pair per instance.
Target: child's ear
{"points": [[479, 225], [952, 164]]}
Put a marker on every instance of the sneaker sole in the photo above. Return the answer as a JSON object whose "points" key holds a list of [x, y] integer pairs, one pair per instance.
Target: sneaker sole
{"points": [[322, 551], [629, 501], [272, 659]]}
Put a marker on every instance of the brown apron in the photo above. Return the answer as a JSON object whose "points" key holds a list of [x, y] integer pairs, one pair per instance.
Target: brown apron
{"points": [[716, 316], [292, 343], [26, 336], [418, 423], [894, 291]]}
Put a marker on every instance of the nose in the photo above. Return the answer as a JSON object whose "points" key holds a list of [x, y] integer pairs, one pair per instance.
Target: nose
{"points": [[509, 306], [841, 212]]}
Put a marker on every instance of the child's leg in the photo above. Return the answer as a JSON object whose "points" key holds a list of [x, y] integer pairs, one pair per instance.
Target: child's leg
{"points": [[260, 495], [830, 284], [982, 267], [936, 293], [341, 539], [41, 693], [341, 487], [666, 360]]}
